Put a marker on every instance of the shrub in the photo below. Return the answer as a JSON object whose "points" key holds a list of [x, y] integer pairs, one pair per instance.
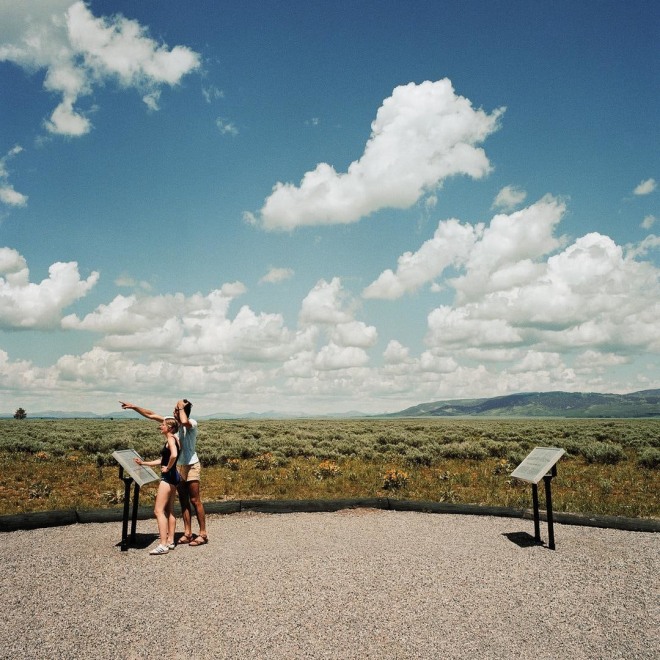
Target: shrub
{"points": [[265, 461], [416, 456], [503, 467], [607, 453], [469, 449], [395, 479], [39, 490], [327, 469], [649, 458]]}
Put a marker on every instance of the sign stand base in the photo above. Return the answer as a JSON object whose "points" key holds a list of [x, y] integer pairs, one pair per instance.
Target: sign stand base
{"points": [[548, 506], [127, 497]]}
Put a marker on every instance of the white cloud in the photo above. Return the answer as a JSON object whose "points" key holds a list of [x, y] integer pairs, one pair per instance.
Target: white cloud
{"points": [[212, 93], [645, 187], [648, 222], [131, 283], [510, 247], [422, 134], [591, 360], [582, 316], [430, 363], [496, 257], [650, 242], [450, 245], [590, 296], [192, 330], [396, 353], [275, 275], [8, 195], [355, 333], [508, 198], [226, 127], [332, 357], [79, 51], [464, 327], [324, 304], [26, 305]]}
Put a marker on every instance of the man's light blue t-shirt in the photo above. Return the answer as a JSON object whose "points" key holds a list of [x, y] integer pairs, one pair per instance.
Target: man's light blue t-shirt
{"points": [[188, 440]]}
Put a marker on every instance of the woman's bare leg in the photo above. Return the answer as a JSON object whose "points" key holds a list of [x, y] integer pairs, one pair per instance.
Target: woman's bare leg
{"points": [[171, 520], [160, 508]]}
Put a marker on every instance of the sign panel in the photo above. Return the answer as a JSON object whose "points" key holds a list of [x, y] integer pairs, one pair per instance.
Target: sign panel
{"points": [[141, 474], [538, 463]]}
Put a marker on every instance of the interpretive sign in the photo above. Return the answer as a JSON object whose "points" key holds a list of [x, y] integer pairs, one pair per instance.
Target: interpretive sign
{"points": [[141, 474], [541, 463], [538, 464], [138, 475]]}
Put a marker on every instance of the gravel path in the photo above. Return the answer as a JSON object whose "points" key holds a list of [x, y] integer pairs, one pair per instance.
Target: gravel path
{"points": [[353, 584]]}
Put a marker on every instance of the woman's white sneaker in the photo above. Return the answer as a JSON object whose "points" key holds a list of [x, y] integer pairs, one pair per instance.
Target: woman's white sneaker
{"points": [[160, 549]]}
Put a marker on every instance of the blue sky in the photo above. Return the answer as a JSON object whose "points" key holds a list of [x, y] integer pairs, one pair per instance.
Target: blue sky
{"points": [[315, 207]]}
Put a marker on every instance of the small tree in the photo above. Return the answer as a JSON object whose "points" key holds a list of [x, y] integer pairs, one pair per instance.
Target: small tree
{"points": [[20, 414]]}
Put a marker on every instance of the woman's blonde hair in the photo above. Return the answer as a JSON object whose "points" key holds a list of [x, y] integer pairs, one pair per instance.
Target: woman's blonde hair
{"points": [[172, 424]]}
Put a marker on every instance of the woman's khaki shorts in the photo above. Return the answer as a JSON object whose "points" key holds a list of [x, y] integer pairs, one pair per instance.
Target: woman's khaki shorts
{"points": [[190, 472]]}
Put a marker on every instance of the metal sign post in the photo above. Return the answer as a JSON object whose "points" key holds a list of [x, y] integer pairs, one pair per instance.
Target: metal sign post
{"points": [[541, 463], [131, 472]]}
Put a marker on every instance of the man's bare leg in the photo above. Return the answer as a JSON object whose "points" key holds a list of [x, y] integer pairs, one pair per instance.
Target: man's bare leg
{"points": [[195, 500], [184, 500]]}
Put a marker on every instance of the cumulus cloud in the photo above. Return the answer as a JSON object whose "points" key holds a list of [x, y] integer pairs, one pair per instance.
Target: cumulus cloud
{"points": [[509, 250], [422, 134], [332, 357], [275, 275], [396, 352], [28, 305], [8, 195], [192, 329], [592, 295], [325, 304], [530, 311], [355, 333], [496, 256], [508, 198], [450, 245], [645, 187], [79, 51]]}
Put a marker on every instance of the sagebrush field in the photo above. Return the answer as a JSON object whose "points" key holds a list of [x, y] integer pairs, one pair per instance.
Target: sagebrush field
{"points": [[611, 466]]}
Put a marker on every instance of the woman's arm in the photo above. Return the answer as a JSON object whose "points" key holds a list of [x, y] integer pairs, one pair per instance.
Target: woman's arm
{"points": [[139, 461], [145, 412]]}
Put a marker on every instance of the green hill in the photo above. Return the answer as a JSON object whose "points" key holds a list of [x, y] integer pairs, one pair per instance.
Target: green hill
{"points": [[544, 404]]}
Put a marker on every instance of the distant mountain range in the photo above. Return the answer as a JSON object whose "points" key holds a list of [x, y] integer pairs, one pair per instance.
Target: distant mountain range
{"points": [[544, 404], [531, 404], [129, 414]]}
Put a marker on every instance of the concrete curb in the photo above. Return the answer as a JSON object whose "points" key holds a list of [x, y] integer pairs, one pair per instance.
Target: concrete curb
{"points": [[42, 519]]}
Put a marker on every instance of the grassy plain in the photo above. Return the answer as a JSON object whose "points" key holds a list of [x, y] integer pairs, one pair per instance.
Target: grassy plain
{"points": [[611, 467]]}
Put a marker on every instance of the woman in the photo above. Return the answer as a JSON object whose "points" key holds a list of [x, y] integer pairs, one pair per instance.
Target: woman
{"points": [[170, 478]]}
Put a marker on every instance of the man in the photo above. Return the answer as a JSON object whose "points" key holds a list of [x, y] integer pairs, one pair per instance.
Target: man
{"points": [[189, 468]]}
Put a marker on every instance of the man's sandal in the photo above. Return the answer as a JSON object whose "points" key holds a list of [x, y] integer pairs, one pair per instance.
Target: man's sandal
{"points": [[186, 538], [199, 540]]}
